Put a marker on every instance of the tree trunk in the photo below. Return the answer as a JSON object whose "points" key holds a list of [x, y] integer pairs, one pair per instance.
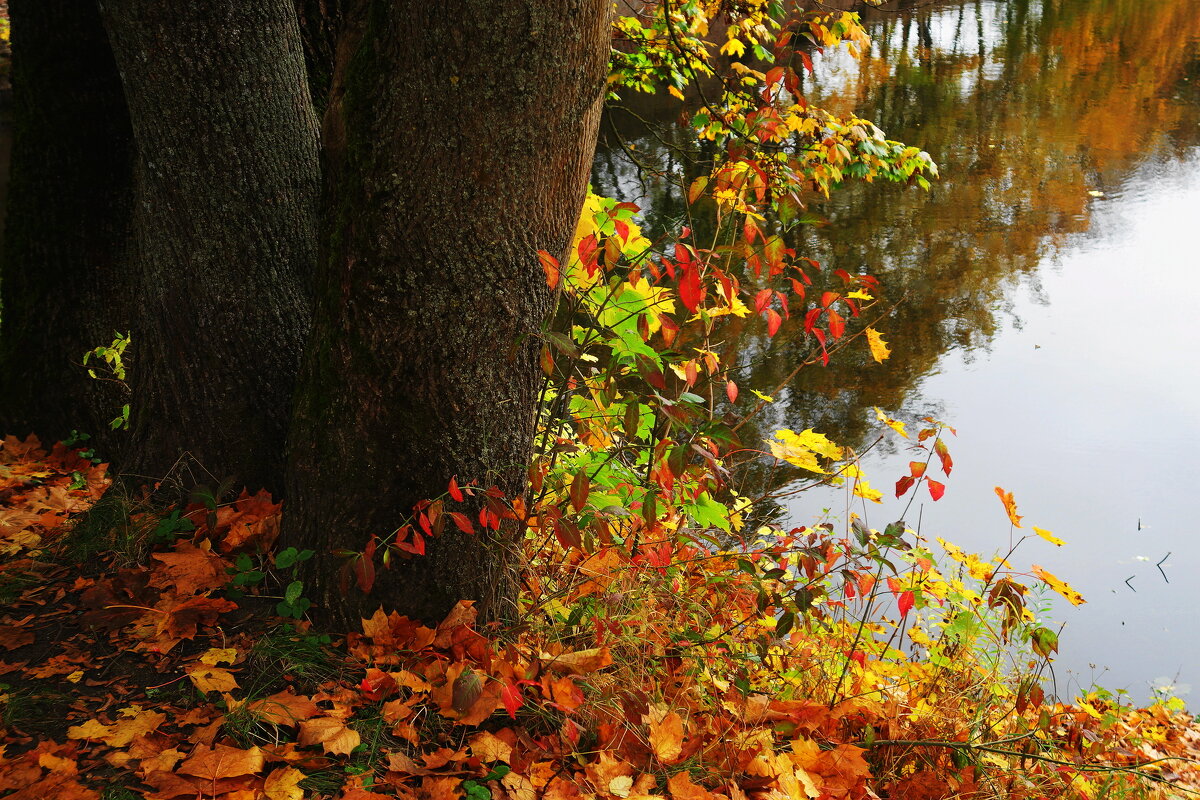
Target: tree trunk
{"points": [[62, 282], [227, 182], [458, 141]]}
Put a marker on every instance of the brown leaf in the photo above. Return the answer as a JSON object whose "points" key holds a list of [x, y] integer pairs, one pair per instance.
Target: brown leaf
{"points": [[331, 733], [681, 787], [284, 708], [582, 662], [221, 761], [189, 570], [14, 636]]}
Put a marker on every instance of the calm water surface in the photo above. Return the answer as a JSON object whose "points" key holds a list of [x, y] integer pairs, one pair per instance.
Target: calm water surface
{"points": [[1050, 288]]}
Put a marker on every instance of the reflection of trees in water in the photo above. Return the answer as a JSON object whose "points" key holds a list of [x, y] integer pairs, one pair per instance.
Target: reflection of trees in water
{"points": [[1027, 105]]}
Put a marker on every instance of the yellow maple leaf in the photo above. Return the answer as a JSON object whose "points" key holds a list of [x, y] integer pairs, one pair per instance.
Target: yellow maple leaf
{"points": [[801, 449], [894, 424], [284, 784], [862, 488], [1059, 586], [1010, 506], [215, 655], [211, 679], [666, 733], [879, 348], [733, 47], [1048, 536], [331, 733]]}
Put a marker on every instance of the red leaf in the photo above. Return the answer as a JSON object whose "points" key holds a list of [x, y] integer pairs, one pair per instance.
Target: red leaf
{"points": [[762, 300], [837, 325], [580, 486], [512, 698], [936, 490], [364, 572], [731, 391], [455, 493], [903, 485], [567, 535], [916, 468], [943, 453], [905, 602], [774, 75], [462, 521], [551, 268], [804, 57], [828, 299], [690, 290], [773, 322]]}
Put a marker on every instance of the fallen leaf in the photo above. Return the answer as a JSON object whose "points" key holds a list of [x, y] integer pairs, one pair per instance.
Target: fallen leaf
{"points": [[211, 679], [221, 761], [284, 784], [331, 733]]}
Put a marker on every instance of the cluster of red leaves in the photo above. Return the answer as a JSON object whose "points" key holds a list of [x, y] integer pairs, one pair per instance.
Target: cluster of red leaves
{"points": [[616, 709]]}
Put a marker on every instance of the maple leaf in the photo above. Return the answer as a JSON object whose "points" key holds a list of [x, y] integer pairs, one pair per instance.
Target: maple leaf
{"points": [[331, 733], [681, 788], [284, 709], [582, 662], [1010, 506], [283, 783], [1059, 586], [138, 722], [211, 679], [880, 350], [489, 747], [14, 636], [801, 449], [181, 619], [666, 733], [189, 570], [222, 761]]}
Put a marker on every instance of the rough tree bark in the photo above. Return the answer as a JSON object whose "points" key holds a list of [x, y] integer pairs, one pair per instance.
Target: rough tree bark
{"points": [[62, 278], [227, 182], [458, 140]]}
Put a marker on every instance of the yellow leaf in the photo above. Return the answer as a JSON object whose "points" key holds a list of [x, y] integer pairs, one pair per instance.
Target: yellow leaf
{"points": [[666, 733], [620, 786], [284, 784], [801, 449], [879, 348], [76, 676], [733, 47], [211, 679], [1010, 506], [215, 655], [861, 487], [1048, 536], [894, 424], [331, 733], [1059, 586], [92, 729]]}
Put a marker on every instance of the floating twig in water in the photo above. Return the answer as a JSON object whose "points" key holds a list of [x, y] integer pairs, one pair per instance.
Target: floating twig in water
{"points": [[1130, 585], [1160, 569]]}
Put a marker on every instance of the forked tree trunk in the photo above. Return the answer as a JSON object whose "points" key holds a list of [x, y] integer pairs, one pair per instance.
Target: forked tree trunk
{"points": [[458, 141], [227, 182], [63, 287]]}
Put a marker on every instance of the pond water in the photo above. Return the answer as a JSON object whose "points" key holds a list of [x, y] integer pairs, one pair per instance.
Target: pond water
{"points": [[1049, 298]]}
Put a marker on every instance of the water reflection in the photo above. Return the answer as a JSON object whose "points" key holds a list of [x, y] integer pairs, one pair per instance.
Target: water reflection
{"points": [[1066, 130]]}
